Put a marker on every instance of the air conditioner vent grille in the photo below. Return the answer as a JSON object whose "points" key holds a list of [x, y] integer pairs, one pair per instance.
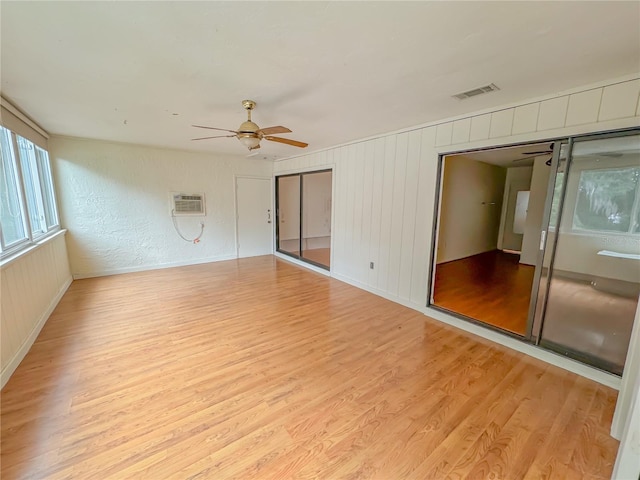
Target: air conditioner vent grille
{"points": [[476, 91], [187, 204]]}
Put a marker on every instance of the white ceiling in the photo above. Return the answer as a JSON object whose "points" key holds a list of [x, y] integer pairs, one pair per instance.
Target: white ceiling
{"points": [[333, 72]]}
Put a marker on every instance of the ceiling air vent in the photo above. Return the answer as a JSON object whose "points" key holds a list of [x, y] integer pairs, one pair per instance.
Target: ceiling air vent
{"points": [[476, 91], [187, 204]]}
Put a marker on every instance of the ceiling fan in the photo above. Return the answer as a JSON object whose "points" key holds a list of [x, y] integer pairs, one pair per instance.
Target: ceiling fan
{"points": [[541, 152], [536, 153], [250, 134]]}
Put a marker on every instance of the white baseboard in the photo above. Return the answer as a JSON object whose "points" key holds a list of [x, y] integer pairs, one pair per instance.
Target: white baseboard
{"points": [[26, 346], [144, 268]]}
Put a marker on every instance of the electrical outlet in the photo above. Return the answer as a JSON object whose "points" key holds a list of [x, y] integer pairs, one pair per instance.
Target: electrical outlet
{"points": [[371, 265]]}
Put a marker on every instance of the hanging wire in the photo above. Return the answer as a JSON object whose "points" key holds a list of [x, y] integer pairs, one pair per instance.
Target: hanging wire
{"points": [[175, 225]]}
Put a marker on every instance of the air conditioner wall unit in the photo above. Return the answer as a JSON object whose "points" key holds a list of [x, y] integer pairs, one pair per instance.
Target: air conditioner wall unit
{"points": [[187, 204]]}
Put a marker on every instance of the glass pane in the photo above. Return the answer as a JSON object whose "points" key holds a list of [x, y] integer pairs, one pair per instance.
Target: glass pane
{"points": [[13, 230], [555, 204], [606, 198], [595, 277], [31, 185], [46, 185], [289, 214], [554, 215], [316, 217]]}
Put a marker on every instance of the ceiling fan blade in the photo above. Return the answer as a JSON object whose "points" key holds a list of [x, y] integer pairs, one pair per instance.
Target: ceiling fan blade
{"points": [[217, 136], [272, 130], [524, 159], [541, 152], [214, 128], [295, 143]]}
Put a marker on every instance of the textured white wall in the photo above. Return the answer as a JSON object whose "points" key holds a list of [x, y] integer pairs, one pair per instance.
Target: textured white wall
{"points": [[31, 286], [384, 188], [114, 200]]}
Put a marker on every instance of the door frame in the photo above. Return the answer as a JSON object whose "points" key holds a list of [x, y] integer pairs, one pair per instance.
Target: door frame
{"points": [[540, 286], [551, 249], [237, 214], [435, 234], [301, 213], [530, 336]]}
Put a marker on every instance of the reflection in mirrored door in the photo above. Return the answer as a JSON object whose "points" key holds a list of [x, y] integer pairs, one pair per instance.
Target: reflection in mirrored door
{"points": [[594, 275], [288, 198], [316, 217]]}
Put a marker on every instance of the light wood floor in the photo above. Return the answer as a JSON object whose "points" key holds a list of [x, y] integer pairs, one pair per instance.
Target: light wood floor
{"points": [[491, 287], [259, 369]]}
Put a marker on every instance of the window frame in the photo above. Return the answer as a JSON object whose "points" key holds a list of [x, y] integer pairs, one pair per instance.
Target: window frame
{"points": [[40, 181], [17, 177], [47, 185]]}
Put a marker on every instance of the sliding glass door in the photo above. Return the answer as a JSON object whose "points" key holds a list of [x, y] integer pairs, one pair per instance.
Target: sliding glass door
{"points": [[303, 210], [591, 268], [565, 272]]}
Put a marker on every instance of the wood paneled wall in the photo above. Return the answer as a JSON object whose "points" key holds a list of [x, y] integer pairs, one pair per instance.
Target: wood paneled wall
{"points": [[31, 286], [384, 188]]}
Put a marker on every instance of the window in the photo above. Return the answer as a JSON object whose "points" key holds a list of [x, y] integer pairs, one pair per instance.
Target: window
{"points": [[555, 201], [11, 214], [46, 185], [607, 200], [27, 205]]}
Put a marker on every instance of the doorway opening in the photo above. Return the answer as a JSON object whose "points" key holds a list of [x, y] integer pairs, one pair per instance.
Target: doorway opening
{"points": [[491, 209], [542, 242], [303, 216]]}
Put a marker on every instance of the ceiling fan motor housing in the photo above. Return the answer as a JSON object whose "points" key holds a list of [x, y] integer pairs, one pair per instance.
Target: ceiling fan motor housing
{"points": [[248, 127]]}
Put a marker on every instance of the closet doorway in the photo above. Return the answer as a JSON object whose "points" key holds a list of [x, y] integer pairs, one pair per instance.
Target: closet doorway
{"points": [[557, 265], [490, 217], [303, 216]]}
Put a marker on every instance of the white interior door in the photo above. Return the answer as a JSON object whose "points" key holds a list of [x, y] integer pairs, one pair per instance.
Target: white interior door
{"points": [[254, 217], [516, 216]]}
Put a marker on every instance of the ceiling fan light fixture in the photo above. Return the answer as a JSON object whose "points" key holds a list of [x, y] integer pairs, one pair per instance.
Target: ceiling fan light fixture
{"points": [[250, 134], [249, 140]]}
